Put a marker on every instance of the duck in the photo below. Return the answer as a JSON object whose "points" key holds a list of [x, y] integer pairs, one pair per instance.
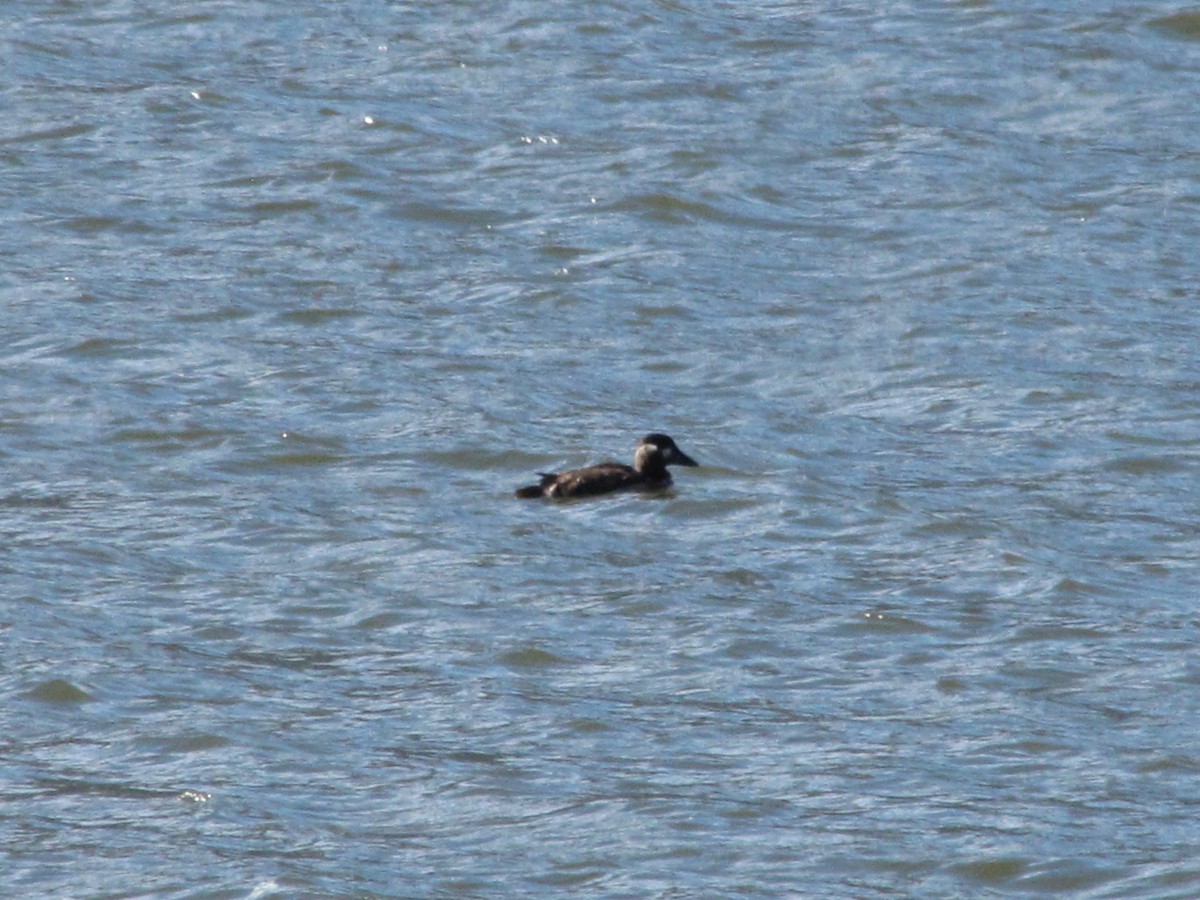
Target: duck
{"points": [[648, 473]]}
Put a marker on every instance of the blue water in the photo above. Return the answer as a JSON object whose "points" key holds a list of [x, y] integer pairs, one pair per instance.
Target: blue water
{"points": [[297, 294]]}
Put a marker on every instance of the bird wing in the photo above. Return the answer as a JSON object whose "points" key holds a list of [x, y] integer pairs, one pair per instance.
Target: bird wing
{"points": [[599, 479]]}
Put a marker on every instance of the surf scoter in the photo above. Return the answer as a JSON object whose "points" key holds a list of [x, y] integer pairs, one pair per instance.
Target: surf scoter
{"points": [[648, 473]]}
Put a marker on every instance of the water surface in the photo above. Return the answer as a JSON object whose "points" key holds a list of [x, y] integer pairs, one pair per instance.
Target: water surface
{"points": [[297, 294]]}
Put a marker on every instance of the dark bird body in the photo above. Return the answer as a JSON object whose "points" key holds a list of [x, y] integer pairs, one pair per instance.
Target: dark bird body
{"points": [[648, 473]]}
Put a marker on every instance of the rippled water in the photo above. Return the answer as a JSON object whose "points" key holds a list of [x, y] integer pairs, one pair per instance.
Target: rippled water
{"points": [[297, 294]]}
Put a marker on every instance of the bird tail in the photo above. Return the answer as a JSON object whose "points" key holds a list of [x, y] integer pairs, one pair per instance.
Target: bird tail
{"points": [[536, 490]]}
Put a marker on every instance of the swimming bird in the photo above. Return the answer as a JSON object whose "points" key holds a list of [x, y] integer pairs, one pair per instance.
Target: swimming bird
{"points": [[648, 473]]}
